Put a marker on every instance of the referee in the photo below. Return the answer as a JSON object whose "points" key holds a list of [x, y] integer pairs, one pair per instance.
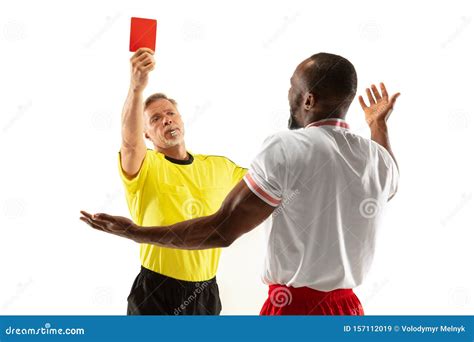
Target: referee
{"points": [[163, 186]]}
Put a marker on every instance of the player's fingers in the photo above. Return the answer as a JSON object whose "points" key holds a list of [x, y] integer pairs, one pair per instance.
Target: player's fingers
{"points": [[393, 99], [91, 223], [376, 92], [384, 90], [362, 103], [86, 214], [102, 216], [370, 96], [104, 225]]}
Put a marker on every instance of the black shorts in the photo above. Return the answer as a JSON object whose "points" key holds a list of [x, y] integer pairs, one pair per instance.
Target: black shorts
{"points": [[156, 294]]}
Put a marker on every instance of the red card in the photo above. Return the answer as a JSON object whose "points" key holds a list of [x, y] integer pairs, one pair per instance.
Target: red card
{"points": [[142, 34]]}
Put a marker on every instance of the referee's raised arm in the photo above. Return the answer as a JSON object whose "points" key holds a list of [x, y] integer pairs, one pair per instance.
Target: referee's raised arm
{"points": [[133, 148]]}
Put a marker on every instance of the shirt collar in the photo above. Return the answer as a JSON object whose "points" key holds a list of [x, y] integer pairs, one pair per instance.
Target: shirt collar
{"points": [[329, 122], [181, 162]]}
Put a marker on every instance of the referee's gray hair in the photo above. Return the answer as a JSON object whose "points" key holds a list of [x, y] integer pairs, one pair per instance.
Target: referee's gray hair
{"points": [[158, 96]]}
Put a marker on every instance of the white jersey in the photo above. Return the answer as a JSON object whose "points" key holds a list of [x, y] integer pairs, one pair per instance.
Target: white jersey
{"points": [[329, 187]]}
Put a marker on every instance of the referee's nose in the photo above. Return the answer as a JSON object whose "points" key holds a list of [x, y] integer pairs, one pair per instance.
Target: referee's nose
{"points": [[167, 121]]}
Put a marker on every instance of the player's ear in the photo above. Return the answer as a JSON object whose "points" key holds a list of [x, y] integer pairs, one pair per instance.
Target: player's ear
{"points": [[309, 101]]}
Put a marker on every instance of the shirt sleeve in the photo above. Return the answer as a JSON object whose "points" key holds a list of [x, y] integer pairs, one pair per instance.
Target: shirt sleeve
{"points": [[133, 185], [238, 174], [267, 173], [394, 178], [391, 173]]}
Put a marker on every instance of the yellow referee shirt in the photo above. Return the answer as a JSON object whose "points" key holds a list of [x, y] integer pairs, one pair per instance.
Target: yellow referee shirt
{"points": [[167, 191]]}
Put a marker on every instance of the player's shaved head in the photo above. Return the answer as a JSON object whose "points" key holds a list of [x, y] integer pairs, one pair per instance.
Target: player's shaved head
{"points": [[322, 86], [333, 77]]}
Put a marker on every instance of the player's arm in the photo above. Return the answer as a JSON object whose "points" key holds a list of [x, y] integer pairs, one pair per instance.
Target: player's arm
{"points": [[133, 148], [240, 212], [377, 113]]}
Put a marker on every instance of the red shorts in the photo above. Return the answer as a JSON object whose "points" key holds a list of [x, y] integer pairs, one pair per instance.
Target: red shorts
{"points": [[284, 300]]}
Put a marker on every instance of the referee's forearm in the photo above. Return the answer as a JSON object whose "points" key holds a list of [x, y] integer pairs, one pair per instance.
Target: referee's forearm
{"points": [[132, 120]]}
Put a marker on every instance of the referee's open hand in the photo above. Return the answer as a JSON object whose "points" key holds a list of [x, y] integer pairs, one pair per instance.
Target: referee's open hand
{"points": [[116, 225]]}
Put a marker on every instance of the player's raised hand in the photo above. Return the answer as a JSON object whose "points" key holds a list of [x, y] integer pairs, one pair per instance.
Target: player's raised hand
{"points": [[141, 63], [380, 104], [116, 225]]}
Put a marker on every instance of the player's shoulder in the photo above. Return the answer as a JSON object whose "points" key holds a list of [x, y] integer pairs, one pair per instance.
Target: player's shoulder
{"points": [[286, 138]]}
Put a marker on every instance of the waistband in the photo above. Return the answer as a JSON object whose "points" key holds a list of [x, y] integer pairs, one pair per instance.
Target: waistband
{"points": [[306, 293], [169, 280]]}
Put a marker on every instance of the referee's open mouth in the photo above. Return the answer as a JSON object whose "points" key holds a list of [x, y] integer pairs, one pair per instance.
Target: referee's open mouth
{"points": [[173, 132]]}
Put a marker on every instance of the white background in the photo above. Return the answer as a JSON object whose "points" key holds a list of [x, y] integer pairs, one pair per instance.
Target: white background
{"points": [[64, 75]]}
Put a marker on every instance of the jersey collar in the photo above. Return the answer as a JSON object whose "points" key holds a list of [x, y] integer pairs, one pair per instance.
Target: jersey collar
{"points": [[329, 122], [181, 162]]}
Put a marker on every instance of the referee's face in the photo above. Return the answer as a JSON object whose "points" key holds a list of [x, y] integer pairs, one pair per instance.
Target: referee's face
{"points": [[163, 124]]}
